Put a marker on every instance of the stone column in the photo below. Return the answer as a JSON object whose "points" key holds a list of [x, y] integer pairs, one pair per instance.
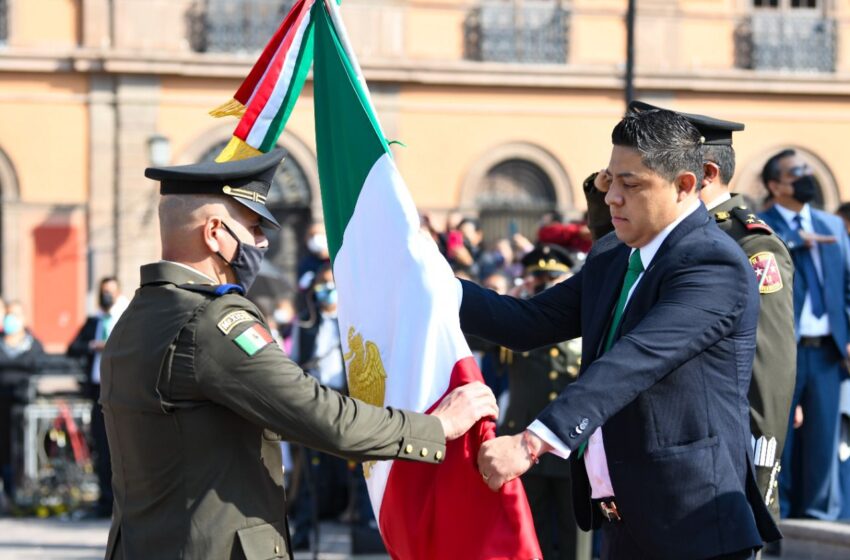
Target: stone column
{"points": [[102, 159]]}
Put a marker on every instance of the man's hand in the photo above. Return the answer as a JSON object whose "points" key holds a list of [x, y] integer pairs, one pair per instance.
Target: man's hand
{"points": [[503, 459], [798, 417], [603, 180], [465, 406], [811, 239], [97, 345]]}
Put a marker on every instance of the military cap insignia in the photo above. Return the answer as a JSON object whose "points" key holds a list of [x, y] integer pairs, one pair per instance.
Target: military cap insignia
{"points": [[767, 272], [367, 379], [253, 339], [232, 319]]}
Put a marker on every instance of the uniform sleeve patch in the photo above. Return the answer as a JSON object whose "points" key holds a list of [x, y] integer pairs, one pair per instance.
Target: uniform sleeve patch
{"points": [[253, 339], [232, 319], [767, 272]]}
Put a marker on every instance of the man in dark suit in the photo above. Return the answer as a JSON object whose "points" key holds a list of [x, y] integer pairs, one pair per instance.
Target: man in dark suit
{"points": [[657, 424], [819, 246], [88, 346]]}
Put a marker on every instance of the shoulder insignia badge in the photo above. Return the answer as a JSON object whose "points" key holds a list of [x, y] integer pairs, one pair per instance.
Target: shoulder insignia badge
{"points": [[754, 223], [232, 319], [722, 216], [767, 272], [367, 379], [253, 339]]}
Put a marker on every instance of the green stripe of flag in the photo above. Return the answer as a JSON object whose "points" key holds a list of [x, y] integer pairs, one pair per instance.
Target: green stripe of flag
{"points": [[346, 129]]}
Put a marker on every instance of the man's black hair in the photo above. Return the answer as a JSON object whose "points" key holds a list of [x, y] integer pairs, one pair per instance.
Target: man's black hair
{"points": [[106, 279], [667, 143], [844, 211], [724, 157], [771, 171]]}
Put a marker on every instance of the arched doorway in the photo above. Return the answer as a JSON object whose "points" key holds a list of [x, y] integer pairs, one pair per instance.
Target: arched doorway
{"points": [[8, 229], [289, 200], [748, 182]]}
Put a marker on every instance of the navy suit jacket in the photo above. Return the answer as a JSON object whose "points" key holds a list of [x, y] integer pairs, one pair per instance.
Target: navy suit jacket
{"points": [[835, 265], [670, 394]]}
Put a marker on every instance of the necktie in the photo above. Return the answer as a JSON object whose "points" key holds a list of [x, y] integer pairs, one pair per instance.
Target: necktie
{"points": [[810, 275], [632, 273]]}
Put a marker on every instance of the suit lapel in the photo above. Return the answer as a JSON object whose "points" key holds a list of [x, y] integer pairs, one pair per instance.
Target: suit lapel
{"points": [[829, 252], [611, 282]]}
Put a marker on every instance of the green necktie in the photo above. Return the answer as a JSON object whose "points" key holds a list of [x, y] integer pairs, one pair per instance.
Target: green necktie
{"points": [[635, 269], [632, 273]]}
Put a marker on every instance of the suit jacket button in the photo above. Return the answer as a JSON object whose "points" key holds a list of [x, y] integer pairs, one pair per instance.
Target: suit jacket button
{"points": [[553, 375], [553, 395], [583, 424], [408, 449], [573, 434]]}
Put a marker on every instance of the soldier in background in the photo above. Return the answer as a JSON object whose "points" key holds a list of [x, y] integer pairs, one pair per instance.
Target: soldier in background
{"points": [[535, 379]]}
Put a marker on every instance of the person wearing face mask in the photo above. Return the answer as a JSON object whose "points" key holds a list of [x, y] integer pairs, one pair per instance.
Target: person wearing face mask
{"points": [[19, 350], [197, 396], [87, 346], [316, 243], [820, 250], [536, 378], [317, 348]]}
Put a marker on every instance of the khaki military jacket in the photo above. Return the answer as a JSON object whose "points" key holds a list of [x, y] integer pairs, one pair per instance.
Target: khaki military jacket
{"points": [[775, 363], [196, 398]]}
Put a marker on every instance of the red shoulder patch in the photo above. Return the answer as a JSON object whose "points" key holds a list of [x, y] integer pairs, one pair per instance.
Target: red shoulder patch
{"points": [[767, 272], [759, 226]]}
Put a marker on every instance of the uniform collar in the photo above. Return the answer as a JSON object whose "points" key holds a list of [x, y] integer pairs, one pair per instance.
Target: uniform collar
{"points": [[169, 272], [718, 201]]}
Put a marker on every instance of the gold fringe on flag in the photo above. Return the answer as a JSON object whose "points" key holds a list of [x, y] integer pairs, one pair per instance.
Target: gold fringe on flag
{"points": [[237, 149], [231, 108]]}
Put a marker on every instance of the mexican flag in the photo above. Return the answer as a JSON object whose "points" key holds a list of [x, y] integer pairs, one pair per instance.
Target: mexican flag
{"points": [[398, 298], [398, 316]]}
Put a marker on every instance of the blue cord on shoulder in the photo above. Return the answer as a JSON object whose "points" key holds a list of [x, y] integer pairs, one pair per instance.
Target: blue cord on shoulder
{"points": [[229, 288]]}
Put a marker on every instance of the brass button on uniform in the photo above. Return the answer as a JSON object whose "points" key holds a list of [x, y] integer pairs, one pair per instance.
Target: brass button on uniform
{"points": [[511, 423], [554, 352], [553, 375], [438, 455], [277, 549], [572, 370], [553, 395], [408, 449], [525, 354], [424, 452]]}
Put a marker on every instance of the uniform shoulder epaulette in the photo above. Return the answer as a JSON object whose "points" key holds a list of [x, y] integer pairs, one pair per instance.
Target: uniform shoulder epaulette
{"points": [[213, 290], [751, 221]]}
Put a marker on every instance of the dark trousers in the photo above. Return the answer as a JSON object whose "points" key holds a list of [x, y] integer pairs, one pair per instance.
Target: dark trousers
{"points": [[102, 461], [618, 544], [551, 502], [809, 477]]}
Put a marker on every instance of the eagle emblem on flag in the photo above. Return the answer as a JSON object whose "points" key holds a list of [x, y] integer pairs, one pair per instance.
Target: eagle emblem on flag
{"points": [[367, 379]]}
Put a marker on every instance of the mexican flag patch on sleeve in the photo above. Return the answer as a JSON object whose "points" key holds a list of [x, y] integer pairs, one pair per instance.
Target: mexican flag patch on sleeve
{"points": [[253, 339]]}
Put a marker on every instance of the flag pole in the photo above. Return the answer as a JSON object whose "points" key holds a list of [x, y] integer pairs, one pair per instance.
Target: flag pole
{"points": [[342, 33]]}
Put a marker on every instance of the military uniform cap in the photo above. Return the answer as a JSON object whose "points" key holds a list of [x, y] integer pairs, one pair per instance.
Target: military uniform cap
{"points": [[247, 181], [715, 132], [548, 258]]}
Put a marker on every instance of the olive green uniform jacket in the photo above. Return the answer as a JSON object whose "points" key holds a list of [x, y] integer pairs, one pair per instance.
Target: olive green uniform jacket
{"points": [[196, 398], [775, 363]]}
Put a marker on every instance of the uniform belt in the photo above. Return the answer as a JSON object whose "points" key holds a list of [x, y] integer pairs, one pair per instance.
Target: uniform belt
{"points": [[609, 509], [815, 341]]}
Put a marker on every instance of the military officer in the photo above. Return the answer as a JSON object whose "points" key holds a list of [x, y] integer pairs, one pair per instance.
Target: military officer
{"points": [[536, 378], [196, 395], [774, 366]]}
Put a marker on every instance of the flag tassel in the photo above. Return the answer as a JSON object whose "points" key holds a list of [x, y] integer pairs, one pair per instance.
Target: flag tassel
{"points": [[237, 149], [231, 108]]}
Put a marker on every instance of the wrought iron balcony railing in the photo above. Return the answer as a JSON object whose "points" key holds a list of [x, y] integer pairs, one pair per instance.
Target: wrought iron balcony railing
{"points": [[4, 21], [786, 41], [234, 26], [535, 31]]}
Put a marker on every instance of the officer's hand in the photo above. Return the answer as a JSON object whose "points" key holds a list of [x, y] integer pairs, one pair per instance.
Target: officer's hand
{"points": [[503, 459], [465, 406], [811, 239], [603, 179]]}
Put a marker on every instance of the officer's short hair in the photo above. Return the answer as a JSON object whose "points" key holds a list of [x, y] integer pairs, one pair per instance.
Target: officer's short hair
{"points": [[667, 143], [771, 171], [724, 157]]}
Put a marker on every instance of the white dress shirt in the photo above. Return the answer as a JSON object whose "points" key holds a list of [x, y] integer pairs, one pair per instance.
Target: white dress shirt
{"points": [[595, 460], [809, 324]]}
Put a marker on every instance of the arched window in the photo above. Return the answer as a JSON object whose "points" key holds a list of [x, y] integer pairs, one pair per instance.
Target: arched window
{"points": [[512, 197], [289, 200]]}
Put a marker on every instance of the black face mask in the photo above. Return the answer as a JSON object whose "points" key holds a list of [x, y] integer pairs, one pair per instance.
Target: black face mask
{"points": [[805, 189], [246, 262], [107, 300]]}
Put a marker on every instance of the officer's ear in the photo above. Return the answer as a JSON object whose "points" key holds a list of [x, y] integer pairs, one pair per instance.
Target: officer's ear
{"points": [[211, 231], [710, 173]]}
